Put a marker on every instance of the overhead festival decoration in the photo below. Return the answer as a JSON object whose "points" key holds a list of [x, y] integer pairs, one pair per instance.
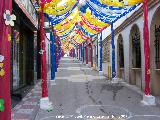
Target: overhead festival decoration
{"points": [[121, 3], [59, 18], [108, 14], [92, 20], [82, 19], [70, 20], [65, 30], [66, 34], [58, 7]]}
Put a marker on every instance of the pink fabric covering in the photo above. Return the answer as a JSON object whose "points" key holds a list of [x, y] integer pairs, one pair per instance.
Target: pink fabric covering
{"points": [[43, 57], [5, 47], [146, 48]]}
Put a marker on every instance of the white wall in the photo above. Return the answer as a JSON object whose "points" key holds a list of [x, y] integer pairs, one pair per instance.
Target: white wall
{"points": [[125, 34]]}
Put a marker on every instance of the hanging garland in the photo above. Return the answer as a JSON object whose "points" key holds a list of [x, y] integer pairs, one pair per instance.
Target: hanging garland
{"points": [[68, 22], [121, 3], [59, 18], [90, 30], [92, 20], [65, 30], [86, 32], [108, 14], [96, 28], [64, 35], [52, 8]]}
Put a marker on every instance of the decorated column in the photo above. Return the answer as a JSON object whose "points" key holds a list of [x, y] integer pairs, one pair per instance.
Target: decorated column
{"points": [[5, 47], [59, 50], [81, 52], [56, 52], [100, 66], [87, 52], [73, 52], [91, 54], [113, 53], [146, 48], [43, 56], [55, 49], [147, 98], [91, 51], [44, 102], [77, 53], [53, 54]]}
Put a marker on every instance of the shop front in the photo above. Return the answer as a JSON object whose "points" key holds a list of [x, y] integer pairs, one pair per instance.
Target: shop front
{"points": [[23, 55]]}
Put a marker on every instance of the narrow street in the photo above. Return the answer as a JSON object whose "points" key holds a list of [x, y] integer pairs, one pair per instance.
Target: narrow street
{"points": [[80, 59], [81, 92]]}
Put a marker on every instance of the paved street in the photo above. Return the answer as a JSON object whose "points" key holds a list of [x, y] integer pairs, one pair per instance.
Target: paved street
{"points": [[80, 93]]}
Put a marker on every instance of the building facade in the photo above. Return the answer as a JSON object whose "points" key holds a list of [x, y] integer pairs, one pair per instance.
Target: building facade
{"points": [[23, 49], [129, 47]]}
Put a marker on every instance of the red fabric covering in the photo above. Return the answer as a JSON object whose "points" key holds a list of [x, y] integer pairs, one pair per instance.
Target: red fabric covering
{"points": [[146, 48], [91, 55], [87, 53], [43, 57], [5, 47]]}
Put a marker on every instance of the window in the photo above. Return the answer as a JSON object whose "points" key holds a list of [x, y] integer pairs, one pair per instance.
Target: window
{"points": [[15, 58], [121, 53], [157, 46], [136, 50]]}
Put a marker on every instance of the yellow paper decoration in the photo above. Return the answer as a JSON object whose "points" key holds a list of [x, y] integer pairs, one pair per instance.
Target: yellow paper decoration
{"points": [[55, 7], [120, 3], [88, 16], [9, 37]]}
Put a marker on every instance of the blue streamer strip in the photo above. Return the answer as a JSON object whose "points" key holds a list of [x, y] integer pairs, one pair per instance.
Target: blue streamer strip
{"points": [[59, 18], [108, 14]]}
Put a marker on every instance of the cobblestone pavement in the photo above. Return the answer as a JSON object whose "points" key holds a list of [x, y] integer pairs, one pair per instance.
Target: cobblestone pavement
{"points": [[29, 106], [80, 93]]}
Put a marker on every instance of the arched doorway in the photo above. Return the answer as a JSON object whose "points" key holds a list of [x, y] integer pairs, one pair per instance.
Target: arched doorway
{"points": [[120, 57], [155, 53], [135, 57]]}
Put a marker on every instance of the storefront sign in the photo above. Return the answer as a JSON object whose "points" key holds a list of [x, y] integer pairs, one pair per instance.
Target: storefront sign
{"points": [[29, 10], [1, 105]]}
